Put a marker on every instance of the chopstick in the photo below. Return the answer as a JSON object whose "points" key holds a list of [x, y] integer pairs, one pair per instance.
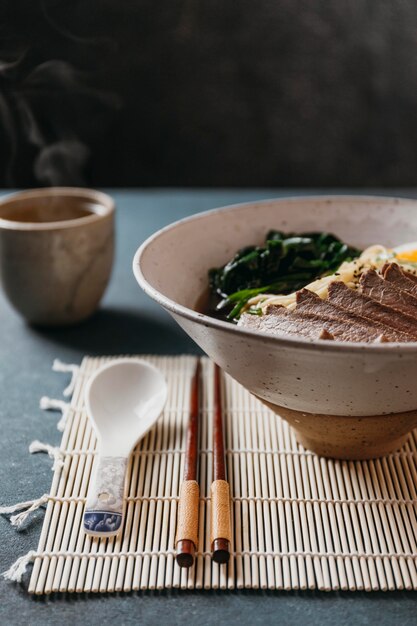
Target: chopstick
{"points": [[220, 492], [188, 507]]}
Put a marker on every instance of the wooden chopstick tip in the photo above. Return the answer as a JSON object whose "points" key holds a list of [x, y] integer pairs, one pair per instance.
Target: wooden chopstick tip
{"points": [[185, 553], [220, 551]]}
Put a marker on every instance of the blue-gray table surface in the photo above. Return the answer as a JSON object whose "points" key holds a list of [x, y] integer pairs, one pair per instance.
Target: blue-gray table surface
{"points": [[129, 322]]}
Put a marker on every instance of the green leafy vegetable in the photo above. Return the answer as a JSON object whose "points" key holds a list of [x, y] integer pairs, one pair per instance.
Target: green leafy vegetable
{"points": [[285, 263]]}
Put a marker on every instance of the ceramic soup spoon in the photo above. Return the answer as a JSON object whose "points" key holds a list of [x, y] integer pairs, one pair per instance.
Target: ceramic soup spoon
{"points": [[124, 400]]}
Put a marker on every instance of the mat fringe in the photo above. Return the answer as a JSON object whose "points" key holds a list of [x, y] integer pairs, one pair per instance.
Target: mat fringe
{"points": [[60, 366], [53, 452], [28, 507], [18, 568], [52, 404]]}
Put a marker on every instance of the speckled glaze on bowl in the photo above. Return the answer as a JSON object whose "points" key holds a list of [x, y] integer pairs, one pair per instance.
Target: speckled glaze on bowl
{"points": [[295, 376]]}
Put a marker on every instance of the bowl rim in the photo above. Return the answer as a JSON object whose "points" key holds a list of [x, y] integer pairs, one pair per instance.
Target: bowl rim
{"points": [[105, 201], [285, 341]]}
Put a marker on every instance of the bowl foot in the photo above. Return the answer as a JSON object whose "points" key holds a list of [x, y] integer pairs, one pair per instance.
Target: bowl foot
{"points": [[349, 437], [344, 451]]}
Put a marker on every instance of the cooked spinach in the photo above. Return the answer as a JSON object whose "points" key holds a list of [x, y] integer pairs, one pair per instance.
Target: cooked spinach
{"points": [[287, 262]]}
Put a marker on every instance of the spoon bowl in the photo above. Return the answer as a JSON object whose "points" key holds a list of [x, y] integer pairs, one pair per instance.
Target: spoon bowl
{"points": [[124, 399]]}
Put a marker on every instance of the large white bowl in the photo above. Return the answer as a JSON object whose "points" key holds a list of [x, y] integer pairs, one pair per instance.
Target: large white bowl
{"points": [[328, 378]]}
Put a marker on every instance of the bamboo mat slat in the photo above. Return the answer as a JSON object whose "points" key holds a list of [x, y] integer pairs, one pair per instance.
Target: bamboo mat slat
{"points": [[299, 521]]}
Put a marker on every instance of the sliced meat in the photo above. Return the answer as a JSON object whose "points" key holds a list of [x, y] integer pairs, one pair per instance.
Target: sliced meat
{"points": [[393, 273], [406, 273], [310, 303], [383, 311], [280, 321], [388, 294], [354, 302], [411, 276], [319, 328]]}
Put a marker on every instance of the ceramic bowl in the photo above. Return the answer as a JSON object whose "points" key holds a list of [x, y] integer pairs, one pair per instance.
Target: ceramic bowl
{"points": [[305, 381]]}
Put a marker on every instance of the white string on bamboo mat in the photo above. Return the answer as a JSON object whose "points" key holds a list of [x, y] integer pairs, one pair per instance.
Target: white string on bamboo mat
{"points": [[53, 452], [52, 404], [38, 502], [18, 569], [299, 521], [59, 366]]}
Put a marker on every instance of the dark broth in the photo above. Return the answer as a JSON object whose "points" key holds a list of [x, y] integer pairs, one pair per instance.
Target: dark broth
{"points": [[206, 303], [44, 214]]}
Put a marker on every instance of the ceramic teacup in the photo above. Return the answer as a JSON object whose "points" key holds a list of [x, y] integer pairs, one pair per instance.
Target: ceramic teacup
{"points": [[56, 252]]}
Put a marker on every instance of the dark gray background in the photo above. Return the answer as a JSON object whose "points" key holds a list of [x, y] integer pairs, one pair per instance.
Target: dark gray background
{"points": [[129, 322], [187, 92]]}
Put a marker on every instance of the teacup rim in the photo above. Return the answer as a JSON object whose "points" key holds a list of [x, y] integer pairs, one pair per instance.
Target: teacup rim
{"points": [[100, 197]]}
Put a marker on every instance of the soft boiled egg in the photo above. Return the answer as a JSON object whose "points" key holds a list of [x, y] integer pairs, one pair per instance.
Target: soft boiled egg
{"points": [[406, 252]]}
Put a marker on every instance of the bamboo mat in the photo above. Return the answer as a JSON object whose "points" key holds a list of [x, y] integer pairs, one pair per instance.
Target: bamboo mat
{"points": [[299, 521]]}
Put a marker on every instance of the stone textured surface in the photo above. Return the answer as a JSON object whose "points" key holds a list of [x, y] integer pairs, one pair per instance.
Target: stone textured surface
{"points": [[130, 323], [210, 93]]}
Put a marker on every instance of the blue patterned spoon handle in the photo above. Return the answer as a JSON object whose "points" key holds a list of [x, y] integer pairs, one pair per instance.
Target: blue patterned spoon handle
{"points": [[104, 507]]}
